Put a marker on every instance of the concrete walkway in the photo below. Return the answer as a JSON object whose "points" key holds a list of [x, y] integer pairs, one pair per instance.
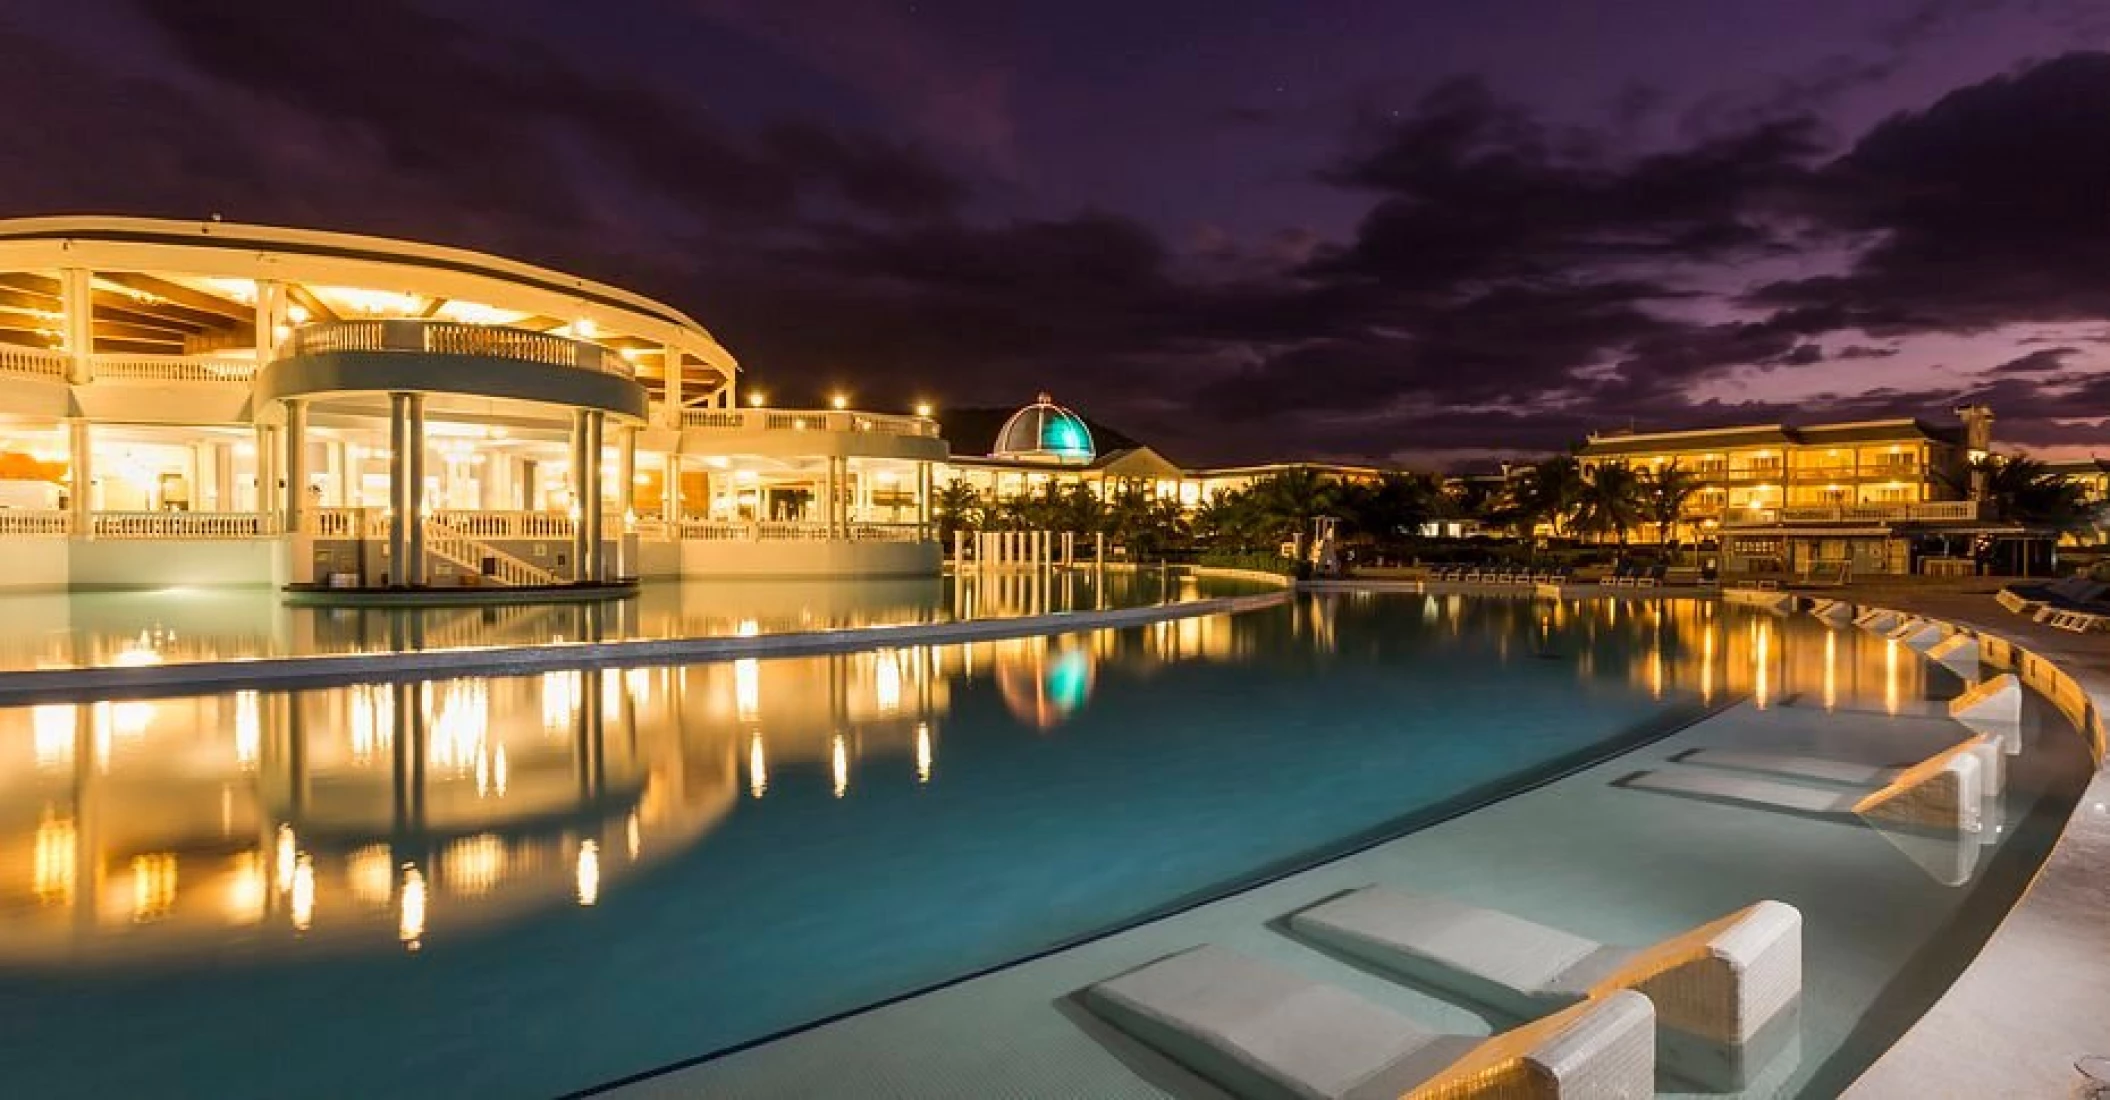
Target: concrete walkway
{"points": [[2038, 996]]}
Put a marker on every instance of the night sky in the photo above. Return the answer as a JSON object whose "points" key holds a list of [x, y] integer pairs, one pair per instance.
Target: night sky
{"points": [[1426, 232]]}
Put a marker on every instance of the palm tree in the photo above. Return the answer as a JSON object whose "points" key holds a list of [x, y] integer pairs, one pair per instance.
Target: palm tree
{"points": [[1549, 492], [1147, 525], [1288, 500], [1664, 491], [1611, 502], [2024, 490], [959, 507], [1227, 520], [1394, 507]]}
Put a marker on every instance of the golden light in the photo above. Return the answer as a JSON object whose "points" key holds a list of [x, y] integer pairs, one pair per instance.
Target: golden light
{"points": [[757, 768], [247, 889], [153, 885], [589, 872], [303, 893], [923, 409], [839, 401], [922, 752], [755, 398], [410, 926], [839, 763]]}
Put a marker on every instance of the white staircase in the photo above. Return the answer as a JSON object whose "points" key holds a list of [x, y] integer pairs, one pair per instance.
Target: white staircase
{"points": [[448, 543]]}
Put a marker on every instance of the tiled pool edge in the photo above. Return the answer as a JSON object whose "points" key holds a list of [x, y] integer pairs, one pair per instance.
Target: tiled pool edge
{"points": [[2033, 999], [289, 672]]}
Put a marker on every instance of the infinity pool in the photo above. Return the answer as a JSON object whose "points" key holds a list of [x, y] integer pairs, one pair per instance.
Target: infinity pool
{"points": [[177, 625], [524, 887]]}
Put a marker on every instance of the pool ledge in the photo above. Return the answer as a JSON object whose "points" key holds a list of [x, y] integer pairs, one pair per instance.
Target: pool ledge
{"points": [[2032, 1001], [295, 671]]}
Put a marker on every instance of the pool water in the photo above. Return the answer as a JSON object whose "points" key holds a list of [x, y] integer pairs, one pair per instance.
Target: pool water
{"points": [[175, 625], [527, 886]]}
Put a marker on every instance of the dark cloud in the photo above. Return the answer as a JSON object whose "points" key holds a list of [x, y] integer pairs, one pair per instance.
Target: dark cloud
{"points": [[1866, 351], [1510, 283], [2041, 361], [1985, 209]]}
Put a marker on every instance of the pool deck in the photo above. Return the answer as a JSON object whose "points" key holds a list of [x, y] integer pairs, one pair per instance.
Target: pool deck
{"points": [[2037, 997]]}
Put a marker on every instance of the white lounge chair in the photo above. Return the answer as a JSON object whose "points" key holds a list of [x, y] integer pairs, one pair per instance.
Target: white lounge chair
{"points": [[1261, 1031], [1992, 765], [1726, 993], [1941, 794]]}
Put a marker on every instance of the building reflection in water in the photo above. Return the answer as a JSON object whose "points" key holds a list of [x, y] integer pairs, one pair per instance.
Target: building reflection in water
{"points": [[392, 814], [180, 625]]}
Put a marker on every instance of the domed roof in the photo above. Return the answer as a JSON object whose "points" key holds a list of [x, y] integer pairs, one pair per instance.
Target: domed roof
{"points": [[1045, 432]]}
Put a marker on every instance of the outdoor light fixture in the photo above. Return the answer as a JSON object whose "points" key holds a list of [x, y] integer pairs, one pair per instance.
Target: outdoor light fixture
{"points": [[754, 398], [839, 401], [923, 409]]}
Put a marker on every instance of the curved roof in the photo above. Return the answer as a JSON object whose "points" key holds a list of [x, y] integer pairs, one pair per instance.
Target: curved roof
{"points": [[1045, 432], [433, 273]]}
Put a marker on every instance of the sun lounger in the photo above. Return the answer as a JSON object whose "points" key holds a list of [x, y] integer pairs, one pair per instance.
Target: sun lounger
{"points": [[1941, 794], [1259, 1030], [1992, 765], [1725, 993], [2072, 593]]}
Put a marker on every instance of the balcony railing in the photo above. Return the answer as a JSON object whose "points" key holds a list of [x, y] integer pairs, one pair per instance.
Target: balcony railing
{"points": [[412, 336], [38, 363], [509, 525], [184, 525], [173, 368], [1952, 511], [24, 523], [808, 420], [702, 530]]}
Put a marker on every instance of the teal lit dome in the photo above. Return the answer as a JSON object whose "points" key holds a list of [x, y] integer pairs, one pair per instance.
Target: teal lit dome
{"points": [[1045, 432]]}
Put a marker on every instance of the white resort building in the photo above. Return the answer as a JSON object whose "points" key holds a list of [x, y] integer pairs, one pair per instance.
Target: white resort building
{"points": [[211, 403]]}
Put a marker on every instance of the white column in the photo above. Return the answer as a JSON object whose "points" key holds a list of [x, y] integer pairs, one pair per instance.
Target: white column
{"points": [[923, 477], [596, 565], [266, 497], [416, 502], [76, 303], [270, 314], [223, 477], [830, 491], [296, 464], [670, 489], [80, 455], [581, 531], [626, 472], [400, 513], [670, 358]]}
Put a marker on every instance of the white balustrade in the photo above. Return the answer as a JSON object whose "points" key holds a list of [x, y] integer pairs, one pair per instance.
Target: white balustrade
{"points": [[25, 523], [183, 525], [33, 363], [172, 368], [718, 530], [808, 420], [416, 335], [509, 525]]}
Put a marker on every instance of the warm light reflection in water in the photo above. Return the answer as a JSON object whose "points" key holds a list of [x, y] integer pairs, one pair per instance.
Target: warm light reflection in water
{"points": [[588, 873], [366, 814]]}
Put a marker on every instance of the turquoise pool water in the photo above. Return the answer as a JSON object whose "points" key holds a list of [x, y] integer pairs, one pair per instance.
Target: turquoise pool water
{"points": [[523, 887], [176, 625]]}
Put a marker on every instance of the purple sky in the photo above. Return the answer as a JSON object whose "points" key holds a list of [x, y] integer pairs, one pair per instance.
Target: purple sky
{"points": [[1427, 232]]}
